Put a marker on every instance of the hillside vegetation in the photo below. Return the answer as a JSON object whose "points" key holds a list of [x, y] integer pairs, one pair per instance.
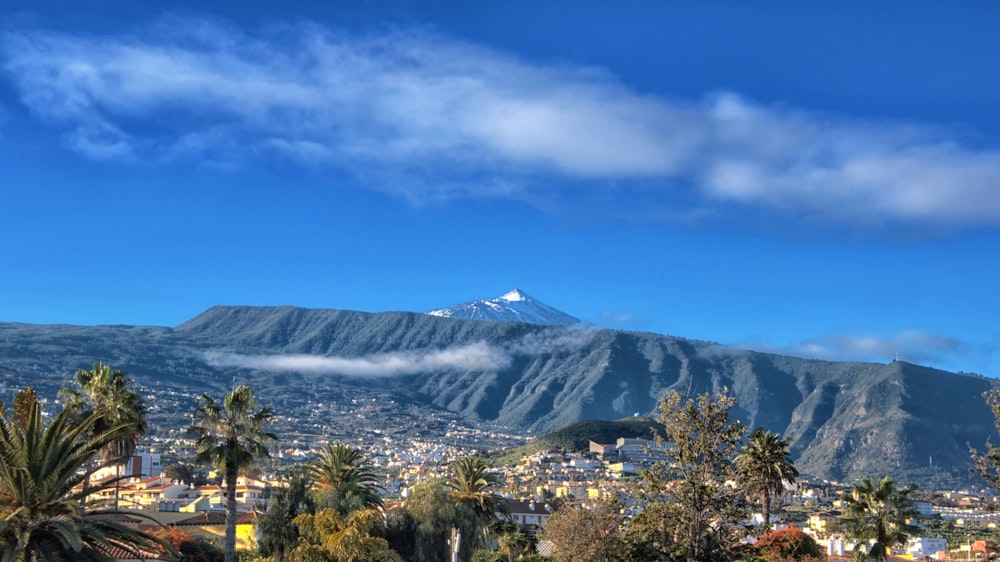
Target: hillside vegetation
{"points": [[576, 437]]}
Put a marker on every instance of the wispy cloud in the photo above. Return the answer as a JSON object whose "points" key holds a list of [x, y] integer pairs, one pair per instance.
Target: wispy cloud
{"points": [[478, 356], [472, 357], [431, 118], [915, 346], [625, 319]]}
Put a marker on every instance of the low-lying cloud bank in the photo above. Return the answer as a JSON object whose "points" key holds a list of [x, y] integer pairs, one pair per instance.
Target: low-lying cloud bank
{"points": [[431, 118], [478, 356], [915, 346], [472, 357]]}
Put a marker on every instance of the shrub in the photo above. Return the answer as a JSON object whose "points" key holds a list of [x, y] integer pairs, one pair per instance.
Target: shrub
{"points": [[789, 544]]}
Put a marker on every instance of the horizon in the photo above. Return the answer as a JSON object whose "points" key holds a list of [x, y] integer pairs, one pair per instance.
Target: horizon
{"points": [[820, 181]]}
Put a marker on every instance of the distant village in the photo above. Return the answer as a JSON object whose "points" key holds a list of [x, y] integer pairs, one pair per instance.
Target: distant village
{"points": [[536, 487]]}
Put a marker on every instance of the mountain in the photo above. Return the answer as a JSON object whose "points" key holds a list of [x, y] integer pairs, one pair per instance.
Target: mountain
{"points": [[515, 306], [326, 371]]}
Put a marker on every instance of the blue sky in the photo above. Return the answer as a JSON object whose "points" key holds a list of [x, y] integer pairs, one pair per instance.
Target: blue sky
{"points": [[821, 179]]}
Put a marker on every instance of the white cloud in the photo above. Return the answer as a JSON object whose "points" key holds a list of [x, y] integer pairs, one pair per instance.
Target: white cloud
{"points": [[915, 346], [430, 118], [473, 357], [478, 356]]}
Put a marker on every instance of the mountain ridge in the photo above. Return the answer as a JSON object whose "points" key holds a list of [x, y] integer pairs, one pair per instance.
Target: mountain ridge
{"points": [[841, 417]]}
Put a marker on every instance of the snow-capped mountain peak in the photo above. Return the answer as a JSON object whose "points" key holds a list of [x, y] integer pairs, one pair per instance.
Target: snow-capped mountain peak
{"points": [[514, 306], [514, 296]]}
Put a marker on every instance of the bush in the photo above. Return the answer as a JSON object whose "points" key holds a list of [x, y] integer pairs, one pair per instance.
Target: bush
{"points": [[191, 548], [789, 545]]}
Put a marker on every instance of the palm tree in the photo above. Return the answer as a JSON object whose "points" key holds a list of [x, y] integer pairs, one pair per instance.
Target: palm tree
{"points": [[108, 396], [472, 485], [763, 467], [880, 512], [512, 538], [341, 469], [42, 498], [230, 437]]}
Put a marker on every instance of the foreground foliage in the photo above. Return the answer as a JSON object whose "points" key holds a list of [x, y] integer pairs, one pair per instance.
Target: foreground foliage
{"points": [[330, 537], [987, 464], [42, 498], [588, 534], [108, 396], [695, 508]]}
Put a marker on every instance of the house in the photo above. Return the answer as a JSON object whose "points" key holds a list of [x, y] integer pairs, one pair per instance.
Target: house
{"points": [[122, 555], [211, 525], [603, 451], [920, 547], [528, 513], [818, 521]]}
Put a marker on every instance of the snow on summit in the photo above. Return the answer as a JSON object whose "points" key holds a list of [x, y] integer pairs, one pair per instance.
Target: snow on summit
{"points": [[514, 296], [514, 306]]}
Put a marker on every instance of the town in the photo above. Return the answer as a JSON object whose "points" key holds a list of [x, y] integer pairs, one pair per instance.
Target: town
{"points": [[159, 489]]}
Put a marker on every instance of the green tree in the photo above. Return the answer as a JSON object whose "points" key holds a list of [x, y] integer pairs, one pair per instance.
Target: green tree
{"points": [[512, 539], [987, 464], [697, 510], [880, 512], [278, 534], [330, 537], [181, 472], [471, 484], [763, 466], [42, 501], [230, 437], [109, 397], [437, 516], [346, 483]]}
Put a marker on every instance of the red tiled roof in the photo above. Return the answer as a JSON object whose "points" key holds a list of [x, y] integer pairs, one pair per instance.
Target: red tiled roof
{"points": [[119, 553]]}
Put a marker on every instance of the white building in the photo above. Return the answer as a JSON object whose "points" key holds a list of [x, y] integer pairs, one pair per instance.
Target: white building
{"points": [[920, 547]]}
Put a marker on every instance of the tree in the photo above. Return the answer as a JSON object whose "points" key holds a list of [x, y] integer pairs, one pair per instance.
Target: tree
{"points": [[696, 508], [108, 396], [231, 437], [788, 544], [583, 534], [512, 538], [190, 547], [471, 484], [330, 537], [880, 512], [987, 464], [181, 472], [763, 467], [436, 515], [42, 501], [276, 528], [346, 483]]}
